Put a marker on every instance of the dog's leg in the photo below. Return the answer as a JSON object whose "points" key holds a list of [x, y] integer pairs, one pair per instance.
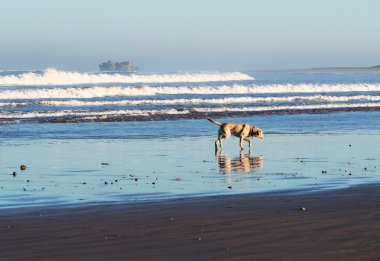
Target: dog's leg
{"points": [[221, 136], [249, 141], [216, 143], [220, 142], [241, 143]]}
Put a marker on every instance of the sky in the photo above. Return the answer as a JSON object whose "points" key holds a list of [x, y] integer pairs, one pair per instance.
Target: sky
{"points": [[196, 35]]}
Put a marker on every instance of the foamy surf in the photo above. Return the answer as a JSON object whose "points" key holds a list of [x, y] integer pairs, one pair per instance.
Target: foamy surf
{"points": [[53, 96], [114, 91], [56, 77], [214, 101], [170, 113]]}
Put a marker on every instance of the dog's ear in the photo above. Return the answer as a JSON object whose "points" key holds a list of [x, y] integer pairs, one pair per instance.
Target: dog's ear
{"points": [[253, 131]]}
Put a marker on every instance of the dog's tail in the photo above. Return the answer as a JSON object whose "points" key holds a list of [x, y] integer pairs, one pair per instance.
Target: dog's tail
{"points": [[215, 122]]}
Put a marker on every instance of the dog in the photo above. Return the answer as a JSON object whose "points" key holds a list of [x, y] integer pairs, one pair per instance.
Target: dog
{"points": [[242, 131]]}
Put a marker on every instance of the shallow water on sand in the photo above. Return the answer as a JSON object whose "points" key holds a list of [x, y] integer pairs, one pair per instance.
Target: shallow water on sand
{"points": [[72, 170]]}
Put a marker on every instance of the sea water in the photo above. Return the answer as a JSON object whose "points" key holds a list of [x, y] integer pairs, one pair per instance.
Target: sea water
{"points": [[113, 137], [58, 96]]}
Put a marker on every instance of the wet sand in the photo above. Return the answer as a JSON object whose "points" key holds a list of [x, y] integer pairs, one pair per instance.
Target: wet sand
{"points": [[126, 170], [336, 225]]}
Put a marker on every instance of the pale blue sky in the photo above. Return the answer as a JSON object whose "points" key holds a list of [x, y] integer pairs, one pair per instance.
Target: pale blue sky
{"points": [[166, 35]]}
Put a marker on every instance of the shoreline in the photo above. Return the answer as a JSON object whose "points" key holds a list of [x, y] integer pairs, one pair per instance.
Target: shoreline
{"points": [[192, 114], [336, 225]]}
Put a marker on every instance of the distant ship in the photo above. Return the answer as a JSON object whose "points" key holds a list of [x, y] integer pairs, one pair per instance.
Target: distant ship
{"points": [[111, 66]]}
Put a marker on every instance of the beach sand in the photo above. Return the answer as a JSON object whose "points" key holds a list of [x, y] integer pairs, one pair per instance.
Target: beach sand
{"points": [[336, 225], [297, 196]]}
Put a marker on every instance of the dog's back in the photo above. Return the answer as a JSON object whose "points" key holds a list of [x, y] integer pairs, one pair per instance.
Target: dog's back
{"points": [[237, 129]]}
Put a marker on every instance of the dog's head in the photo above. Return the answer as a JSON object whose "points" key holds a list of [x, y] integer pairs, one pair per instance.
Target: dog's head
{"points": [[256, 132]]}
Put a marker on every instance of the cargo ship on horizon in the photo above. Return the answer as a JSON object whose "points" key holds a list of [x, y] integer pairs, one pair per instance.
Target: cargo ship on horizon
{"points": [[111, 66]]}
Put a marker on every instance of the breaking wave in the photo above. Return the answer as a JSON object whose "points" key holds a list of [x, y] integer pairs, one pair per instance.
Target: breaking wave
{"points": [[60, 96], [217, 101], [102, 115], [112, 91], [56, 77]]}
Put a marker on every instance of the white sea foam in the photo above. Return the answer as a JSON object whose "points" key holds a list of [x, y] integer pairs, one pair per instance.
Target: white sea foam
{"points": [[72, 113], [55, 77], [291, 107], [113, 91], [230, 100], [13, 104], [108, 113]]}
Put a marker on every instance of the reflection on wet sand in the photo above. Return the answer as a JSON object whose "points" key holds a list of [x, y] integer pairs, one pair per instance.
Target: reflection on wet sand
{"points": [[244, 163]]}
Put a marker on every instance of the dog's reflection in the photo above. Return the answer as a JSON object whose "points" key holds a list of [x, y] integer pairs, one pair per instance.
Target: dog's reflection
{"points": [[244, 163]]}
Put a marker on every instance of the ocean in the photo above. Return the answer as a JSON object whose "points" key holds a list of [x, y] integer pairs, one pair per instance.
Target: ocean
{"points": [[100, 137], [59, 96]]}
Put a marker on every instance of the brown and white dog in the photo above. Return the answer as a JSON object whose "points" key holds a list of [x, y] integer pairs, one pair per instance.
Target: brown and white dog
{"points": [[242, 131]]}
